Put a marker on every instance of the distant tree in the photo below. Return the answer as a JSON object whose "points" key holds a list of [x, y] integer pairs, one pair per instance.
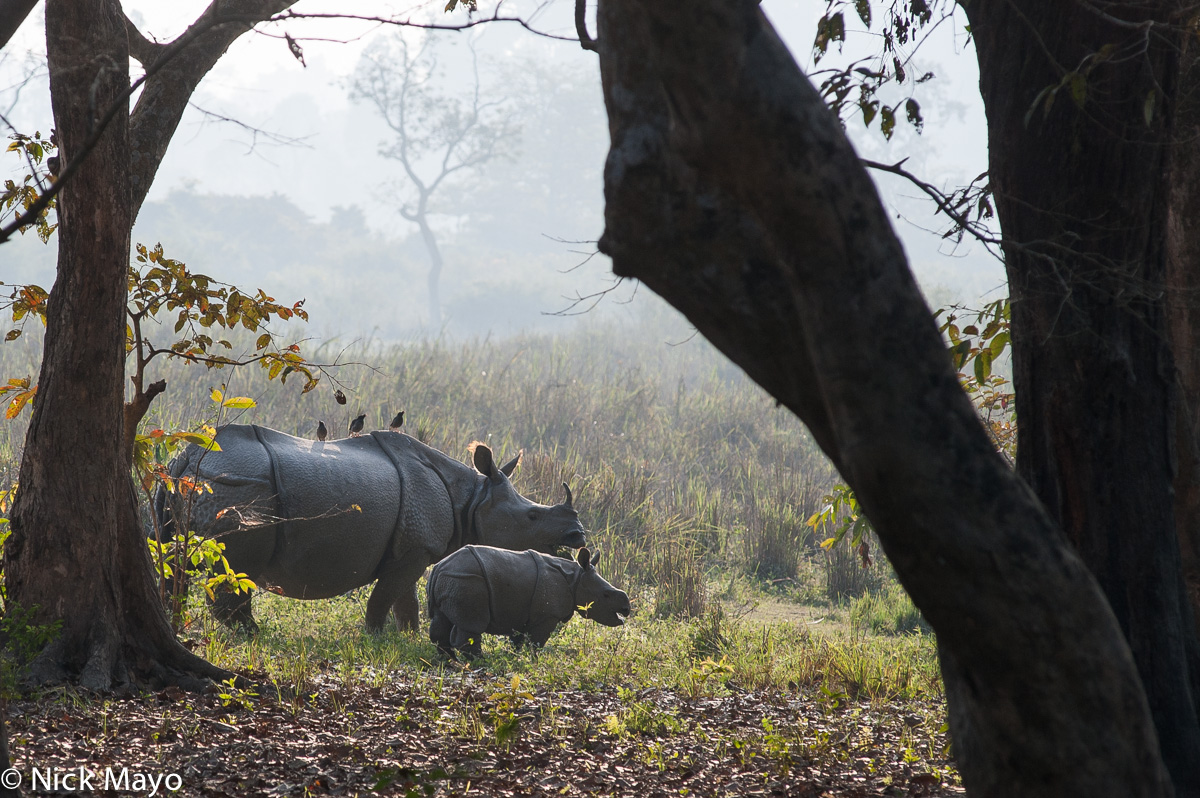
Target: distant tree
{"points": [[439, 135]]}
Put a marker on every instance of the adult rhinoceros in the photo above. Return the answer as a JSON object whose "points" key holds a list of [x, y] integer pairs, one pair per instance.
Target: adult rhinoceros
{"points": [[285, 509]]}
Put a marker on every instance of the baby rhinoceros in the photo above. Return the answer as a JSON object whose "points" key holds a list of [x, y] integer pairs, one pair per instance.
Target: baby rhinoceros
{"points": [[524, 595]]}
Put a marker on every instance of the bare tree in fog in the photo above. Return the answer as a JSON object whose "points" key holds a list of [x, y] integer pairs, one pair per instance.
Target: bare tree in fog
{"points": [[439, 134]]}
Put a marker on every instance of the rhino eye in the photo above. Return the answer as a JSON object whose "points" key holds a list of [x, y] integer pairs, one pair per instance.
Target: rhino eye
{"points": [[533, 515]]}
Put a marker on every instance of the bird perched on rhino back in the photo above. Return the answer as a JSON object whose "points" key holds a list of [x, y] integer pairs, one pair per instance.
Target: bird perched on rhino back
{"points": [[322, 431], [356, 426], [397, 422]]}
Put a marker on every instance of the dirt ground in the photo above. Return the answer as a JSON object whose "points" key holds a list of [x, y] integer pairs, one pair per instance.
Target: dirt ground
{"points": [[475, 738]]}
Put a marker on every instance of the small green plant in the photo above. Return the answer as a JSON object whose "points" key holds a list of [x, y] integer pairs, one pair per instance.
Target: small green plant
{"points": [[232, 695], [831, 698], [706, 673], [201, 557], [776, 746], [642, 718], [506, 704]]}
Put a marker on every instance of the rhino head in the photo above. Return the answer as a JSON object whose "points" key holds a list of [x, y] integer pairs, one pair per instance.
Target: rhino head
{"points": [[595, 598], [507, 520]]}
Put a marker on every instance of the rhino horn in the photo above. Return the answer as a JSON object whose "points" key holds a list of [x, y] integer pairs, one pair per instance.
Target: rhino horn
{"points": [[567, 488], [511, 466]]}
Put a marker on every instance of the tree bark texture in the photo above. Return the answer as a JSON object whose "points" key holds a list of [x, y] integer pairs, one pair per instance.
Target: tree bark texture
{"points": [[1183, 310], [732, 192], [77, 553], [1084, 195]]}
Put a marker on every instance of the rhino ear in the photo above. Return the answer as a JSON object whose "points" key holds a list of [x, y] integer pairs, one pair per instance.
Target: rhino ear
{"points": [[511, 466], [584, 558], [484, 463], [595, 559]]}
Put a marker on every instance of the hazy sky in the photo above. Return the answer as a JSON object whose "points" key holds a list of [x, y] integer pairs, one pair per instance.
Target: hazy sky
{"points": [[336, 160]]}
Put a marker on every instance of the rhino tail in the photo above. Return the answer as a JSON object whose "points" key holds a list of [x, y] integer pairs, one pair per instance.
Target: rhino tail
{"points": [[161, 512], [430, 587], [162, 504]]}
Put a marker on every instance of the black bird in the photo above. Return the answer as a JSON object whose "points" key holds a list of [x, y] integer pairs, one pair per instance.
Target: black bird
{"points": [[356, 426], [322, 432], [397, 422]]}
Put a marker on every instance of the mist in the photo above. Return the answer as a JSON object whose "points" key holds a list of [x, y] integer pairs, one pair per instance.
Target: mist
{"points": [[280, 180]]}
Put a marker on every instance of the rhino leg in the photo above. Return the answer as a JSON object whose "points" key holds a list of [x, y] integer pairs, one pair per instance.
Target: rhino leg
{"points": [[234, 610], [397, 589], [539, 632], [407, 609], [468, 642], [440, 629]]}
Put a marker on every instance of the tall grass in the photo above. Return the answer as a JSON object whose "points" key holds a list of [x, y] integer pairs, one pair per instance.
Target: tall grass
{"points": [[680, 466]]}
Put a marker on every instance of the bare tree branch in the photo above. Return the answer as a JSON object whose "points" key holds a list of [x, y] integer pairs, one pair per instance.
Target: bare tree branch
{"points": [[944, 203], [585, 39], [255, 132], [408, 23]]}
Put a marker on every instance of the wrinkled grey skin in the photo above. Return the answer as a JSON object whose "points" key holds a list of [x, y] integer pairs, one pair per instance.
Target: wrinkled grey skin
{"points": [[525, 595], [287, 518]]}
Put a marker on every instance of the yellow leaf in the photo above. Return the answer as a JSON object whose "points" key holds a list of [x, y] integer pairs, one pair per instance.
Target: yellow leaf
{"points": [[217, 395], [19, 402], [239, 402]]}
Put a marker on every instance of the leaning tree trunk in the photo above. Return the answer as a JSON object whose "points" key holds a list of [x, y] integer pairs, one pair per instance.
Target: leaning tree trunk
{"points": [[1183, 309], [1083, 193], [732, 192], [76, 554]]}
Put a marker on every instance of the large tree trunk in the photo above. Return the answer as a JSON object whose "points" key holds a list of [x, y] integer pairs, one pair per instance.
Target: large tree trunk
{"points": [[1083, 196], [77, 553], [732, 192], [1183, 308]]}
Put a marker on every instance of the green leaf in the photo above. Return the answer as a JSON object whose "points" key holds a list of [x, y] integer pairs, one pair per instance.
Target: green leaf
{"points": [[1078, 88], [12, 335], [998, 344], [198, 439], [869, 109], [1046, 95], [887, 122], [912, 110], [263, 341], [863, 7], [983, 365], [959, 354]]}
